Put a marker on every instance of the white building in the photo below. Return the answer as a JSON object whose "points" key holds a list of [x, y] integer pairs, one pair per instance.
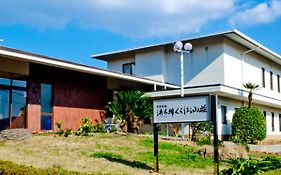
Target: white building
{"points": [[219, 64]]}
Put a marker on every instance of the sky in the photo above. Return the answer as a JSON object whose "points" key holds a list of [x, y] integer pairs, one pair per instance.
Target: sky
{"points": [[74, 30]]}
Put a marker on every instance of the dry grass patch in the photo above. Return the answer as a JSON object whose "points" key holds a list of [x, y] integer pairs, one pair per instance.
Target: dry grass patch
{"points": [[106, 153]]}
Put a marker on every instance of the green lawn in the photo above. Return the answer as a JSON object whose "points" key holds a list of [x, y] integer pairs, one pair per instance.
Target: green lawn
{"points": [[103, 153]]}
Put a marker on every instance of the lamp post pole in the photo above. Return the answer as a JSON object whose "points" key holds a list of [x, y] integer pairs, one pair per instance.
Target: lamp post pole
{"points": [[180, 48], [182, 76]]}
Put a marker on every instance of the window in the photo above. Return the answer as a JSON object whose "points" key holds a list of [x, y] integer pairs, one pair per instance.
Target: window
{"points": [[46, 106], [280, 122], [129, 68], [272, 121], [263, 77], [264, 114], [271, 80], [278, 83], [223, 114], [236, 109]]}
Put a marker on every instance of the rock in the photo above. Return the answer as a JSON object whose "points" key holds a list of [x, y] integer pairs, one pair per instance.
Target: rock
{"points": [[225, 152], [15, 134]]}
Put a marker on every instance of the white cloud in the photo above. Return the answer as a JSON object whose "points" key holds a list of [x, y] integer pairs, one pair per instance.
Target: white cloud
{"points": [[131, 18], [262, 13]]}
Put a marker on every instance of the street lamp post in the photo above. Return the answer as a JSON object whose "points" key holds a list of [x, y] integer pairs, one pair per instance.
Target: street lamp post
{"points": [[182, 49]]}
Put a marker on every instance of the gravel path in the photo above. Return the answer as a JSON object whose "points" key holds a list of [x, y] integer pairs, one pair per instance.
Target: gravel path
{"points": [[266, 148]]}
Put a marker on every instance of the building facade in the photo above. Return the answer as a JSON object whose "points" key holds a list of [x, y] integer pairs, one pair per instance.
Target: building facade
{"points": [[218, 64], [37, 91]]}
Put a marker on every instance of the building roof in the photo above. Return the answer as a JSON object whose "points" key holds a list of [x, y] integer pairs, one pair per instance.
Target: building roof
{"points": [[55, 62], [234, 35]]}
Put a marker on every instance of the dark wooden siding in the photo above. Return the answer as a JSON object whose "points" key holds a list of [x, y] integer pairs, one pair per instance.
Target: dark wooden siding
{"points": [[75, 95]]}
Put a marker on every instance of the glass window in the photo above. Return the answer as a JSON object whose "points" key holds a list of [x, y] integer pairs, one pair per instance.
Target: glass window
{"points": [[5, 81], [129, 68], [272, 121], [223, 114], [19, 102], [46, 98], [4, 109], [280, 122], [271, 80], [46, 106], [278, 83], [19, 83], [46, 122], [263, 77]]}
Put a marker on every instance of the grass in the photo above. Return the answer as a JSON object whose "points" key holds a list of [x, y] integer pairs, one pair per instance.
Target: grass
{"points": [[10, 168], [272, 172], [104, 153]]}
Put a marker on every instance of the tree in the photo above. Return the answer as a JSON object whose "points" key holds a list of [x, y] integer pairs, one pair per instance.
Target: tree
{"points": [[251, 87], [130, 106], [248, 125]]}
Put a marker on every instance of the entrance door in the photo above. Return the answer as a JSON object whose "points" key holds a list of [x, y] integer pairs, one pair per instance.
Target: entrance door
{"points": [[46, 107]]}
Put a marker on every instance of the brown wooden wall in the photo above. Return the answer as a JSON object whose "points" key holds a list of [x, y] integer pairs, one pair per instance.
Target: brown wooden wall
{"points": [[75, 95]]}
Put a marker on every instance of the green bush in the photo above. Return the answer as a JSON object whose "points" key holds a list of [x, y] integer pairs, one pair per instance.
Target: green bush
{"points": [[203, 141], [248, 125], [67, 132], [59, 128], [252, 166], [87, 127], [99, 128]]}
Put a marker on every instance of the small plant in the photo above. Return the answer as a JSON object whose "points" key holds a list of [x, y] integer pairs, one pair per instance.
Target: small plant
{"points": [[252, 166], [99, 128], [204, 141], [59, 128], [67, 132], [85, 128]]}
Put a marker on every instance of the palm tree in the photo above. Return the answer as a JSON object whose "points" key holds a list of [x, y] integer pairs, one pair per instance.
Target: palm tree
{"points": [[130, 106], [251, 87]]}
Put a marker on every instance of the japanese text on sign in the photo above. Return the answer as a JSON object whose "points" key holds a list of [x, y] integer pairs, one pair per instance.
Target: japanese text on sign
{"points": [[188, 109]]}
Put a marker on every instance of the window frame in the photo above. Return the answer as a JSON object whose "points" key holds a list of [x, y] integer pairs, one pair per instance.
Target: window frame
{"points": [[271, 80], [272, 121], [278, 83], [263, 77], [131, 68], [279, 122], [224, 117]]}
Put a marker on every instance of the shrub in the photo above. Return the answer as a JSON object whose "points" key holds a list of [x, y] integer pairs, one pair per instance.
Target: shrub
{"points": [[59, 128], [86, 127], [67, 132], [203, 141], [248, 125], [99, 128]]}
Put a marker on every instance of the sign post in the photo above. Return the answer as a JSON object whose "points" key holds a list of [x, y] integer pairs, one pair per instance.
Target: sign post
{"points": [[185, 109], [155, 136], [215, 133]]}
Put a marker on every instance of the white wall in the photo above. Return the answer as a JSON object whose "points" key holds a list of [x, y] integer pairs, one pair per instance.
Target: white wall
{"points": [[225, 129], [201, 67], [252, 71], [117, 63], [151, 63]]}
